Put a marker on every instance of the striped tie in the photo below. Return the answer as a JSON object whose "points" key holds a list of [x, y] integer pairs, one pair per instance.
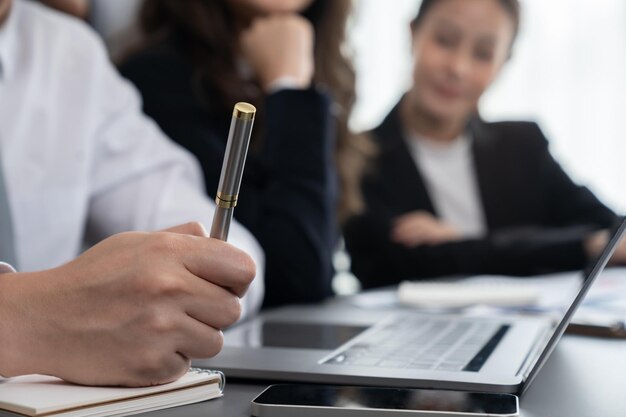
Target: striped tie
{"points": [[7, 250]]}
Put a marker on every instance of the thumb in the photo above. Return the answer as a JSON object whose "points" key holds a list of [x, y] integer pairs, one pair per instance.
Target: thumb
{"points": [[191, 228]]}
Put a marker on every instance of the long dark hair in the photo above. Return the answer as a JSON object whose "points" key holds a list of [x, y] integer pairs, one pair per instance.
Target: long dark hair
{"points": [[511, 6], [207, 35]]}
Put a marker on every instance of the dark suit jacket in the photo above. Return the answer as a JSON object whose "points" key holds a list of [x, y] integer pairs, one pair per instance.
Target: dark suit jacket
{"points": [[288, 195], [536, 216]]}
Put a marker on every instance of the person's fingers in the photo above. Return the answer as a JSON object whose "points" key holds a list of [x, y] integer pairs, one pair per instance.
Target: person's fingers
{"points": [[403, 233], [409, 238], [213, 260], [418, 228], [191, 228], [199, 341], [400, 235], [416, 223], [407, 229], [415, 215], [405, 222], [218, 262], [619, 256], [211, 304], [399, 240], [405, 218], [157, 370], [594, 243]]}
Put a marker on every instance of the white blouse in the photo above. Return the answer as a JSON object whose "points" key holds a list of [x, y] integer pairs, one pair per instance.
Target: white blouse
{"points": [[450, 179]]}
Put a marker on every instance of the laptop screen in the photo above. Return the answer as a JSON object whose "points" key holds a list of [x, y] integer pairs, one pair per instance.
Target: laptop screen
{"points": [[591, 274]]}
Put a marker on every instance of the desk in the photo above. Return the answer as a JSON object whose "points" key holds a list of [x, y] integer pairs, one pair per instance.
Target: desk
{"points": [[585, 377]]}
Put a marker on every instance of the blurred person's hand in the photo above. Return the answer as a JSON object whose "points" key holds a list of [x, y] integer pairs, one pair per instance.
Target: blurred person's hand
{"points": [[596, 242], [133, 310], [421, 228], [279, 47]]}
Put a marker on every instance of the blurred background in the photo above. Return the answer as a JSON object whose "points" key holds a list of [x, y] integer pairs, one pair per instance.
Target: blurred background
{"points": [[568, 73]]}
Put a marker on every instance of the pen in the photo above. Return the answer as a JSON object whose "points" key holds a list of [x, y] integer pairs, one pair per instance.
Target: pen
{"points": [[232, 169]]}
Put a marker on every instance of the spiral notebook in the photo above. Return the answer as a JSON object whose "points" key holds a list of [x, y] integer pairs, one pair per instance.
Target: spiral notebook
{"points": [[37, 395]]}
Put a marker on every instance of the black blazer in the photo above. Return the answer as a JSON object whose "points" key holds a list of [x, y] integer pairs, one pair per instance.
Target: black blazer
{"points": [[288, 194], [536, 216]]}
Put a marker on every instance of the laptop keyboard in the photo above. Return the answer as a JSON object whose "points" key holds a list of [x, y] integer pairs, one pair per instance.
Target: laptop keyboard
{"points": [[424, 344]]}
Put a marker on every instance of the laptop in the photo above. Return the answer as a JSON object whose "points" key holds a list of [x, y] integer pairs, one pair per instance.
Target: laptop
{"points": [[342, 344]]}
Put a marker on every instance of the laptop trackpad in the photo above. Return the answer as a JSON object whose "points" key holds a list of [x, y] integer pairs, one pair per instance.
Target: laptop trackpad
{"points": [[294, 335], [307, 335]]}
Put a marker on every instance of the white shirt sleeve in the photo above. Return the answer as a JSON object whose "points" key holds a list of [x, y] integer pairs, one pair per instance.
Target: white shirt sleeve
{"points": [[141, 180]]}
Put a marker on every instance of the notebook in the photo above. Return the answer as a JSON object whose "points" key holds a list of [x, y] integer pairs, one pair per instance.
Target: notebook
{"points": [[37, 395]]}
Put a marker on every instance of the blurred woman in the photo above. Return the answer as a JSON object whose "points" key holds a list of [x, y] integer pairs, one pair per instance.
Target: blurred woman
{"points": [[287, 57], [450, 194]]}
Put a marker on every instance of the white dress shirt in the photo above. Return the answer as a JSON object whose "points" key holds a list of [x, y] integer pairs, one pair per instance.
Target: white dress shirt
{"points": [[450, 179], [81, 161]]}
